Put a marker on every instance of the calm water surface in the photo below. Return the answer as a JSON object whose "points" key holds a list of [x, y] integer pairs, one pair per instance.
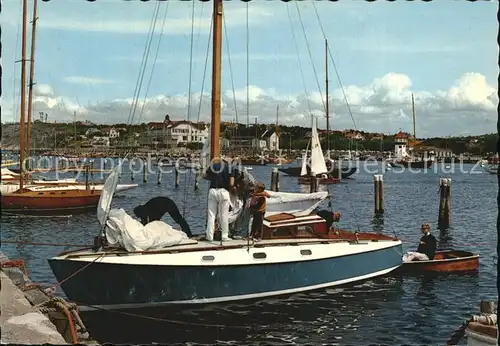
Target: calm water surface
{"points": [[388, 310]]}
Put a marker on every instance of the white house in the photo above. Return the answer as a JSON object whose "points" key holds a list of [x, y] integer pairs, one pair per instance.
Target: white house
{"points": [[186, 132], [401, 145], [272, 140], [113, 133]]}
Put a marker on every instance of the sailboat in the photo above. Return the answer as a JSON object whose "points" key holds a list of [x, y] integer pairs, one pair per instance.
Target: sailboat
{"points": [[38, 199], [318, 165], [297, 253], [335, 173], [10, 183]]}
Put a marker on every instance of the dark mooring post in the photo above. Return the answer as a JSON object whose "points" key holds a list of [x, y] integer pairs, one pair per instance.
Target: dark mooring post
{"points": [[144, 173], [87, 169], [177, 178], [444, 218], [314, 184], [275, 180], [378, 184], [197, 179], [158, 176]]}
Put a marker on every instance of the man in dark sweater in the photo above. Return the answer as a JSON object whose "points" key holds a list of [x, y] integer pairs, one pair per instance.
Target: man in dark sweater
{"points": [[156, 207], [426, 248]]}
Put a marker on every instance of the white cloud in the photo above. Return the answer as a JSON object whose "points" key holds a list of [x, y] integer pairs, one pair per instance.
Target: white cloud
{"points": [[87, 80], [382, 105]]}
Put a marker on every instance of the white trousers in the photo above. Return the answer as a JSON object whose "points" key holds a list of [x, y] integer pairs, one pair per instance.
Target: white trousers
{"points": [[218, 201], [412, 256]]}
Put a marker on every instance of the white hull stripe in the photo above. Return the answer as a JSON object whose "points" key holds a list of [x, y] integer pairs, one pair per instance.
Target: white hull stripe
{"points": [[240, 297]]}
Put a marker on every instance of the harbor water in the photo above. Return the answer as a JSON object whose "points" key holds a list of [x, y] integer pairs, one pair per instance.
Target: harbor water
{"points": [[388, 310]]}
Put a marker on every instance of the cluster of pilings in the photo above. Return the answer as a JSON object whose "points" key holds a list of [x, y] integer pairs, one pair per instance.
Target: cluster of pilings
{"points": [[444, 215]]}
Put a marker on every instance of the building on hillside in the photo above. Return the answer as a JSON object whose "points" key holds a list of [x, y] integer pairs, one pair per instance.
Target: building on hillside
{"points": [[401, 144], [430, 151], [111, 132], [354, 135], [272, 140], [171, 134]]}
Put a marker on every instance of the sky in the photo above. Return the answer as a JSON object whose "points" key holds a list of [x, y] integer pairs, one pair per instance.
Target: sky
{"points": [[88, 60]]}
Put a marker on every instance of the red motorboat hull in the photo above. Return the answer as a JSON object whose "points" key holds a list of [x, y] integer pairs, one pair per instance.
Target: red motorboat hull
{"points": [[452, 261], [50, 202]]}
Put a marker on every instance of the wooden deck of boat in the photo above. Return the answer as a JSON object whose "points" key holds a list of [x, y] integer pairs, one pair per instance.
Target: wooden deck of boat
{"points": [[203, 245]]}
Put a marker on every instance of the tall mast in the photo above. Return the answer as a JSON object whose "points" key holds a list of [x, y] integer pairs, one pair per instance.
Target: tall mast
{"points": [[22, 139], [32, 76], [276, 129], [216, 79], [327, 106], [413, 110]]}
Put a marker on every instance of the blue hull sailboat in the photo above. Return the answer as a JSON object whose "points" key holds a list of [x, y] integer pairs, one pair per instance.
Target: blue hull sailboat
{"points": [[299, 251]]}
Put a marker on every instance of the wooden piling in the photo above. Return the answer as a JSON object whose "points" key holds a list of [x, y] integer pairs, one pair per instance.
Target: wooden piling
{"points": [[87, 169], [444, 217], [378, 184], [275, 180], [131, 174], [177, 177], [144, 173], [197, 179], [314, 184], [158, 176]]}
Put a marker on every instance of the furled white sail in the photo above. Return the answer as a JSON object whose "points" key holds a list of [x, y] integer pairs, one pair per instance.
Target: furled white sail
{"points": [[297, 204], [303, 171], [318, 165], [107, 194]]}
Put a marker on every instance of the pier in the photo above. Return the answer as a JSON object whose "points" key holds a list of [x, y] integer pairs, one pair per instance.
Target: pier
{"points": [[32, 316]]}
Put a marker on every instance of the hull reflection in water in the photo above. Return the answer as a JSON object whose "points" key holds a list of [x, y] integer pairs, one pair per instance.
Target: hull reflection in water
{"points": [[242, 321]]}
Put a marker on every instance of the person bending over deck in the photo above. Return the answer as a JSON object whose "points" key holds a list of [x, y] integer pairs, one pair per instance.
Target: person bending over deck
{"points": [[221, 177], [156, 207], [426, 249]]}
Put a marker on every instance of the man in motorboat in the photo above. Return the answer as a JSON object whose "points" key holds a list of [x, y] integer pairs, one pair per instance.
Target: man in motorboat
{"points": [[156, 207], [426, 248], [221, 177]]}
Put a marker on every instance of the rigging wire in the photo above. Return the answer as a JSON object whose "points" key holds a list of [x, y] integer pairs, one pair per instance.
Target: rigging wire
{"points": [[154, 63], [248, 65], [335, 67], [205, 68], [188, 176], [191, 62], [16, 98], [310, 55], [298, 59], [230, 68], [142, 68]]}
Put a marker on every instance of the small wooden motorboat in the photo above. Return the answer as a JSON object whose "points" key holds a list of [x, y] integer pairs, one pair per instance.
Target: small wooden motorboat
{"points": [[450, 261]]}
